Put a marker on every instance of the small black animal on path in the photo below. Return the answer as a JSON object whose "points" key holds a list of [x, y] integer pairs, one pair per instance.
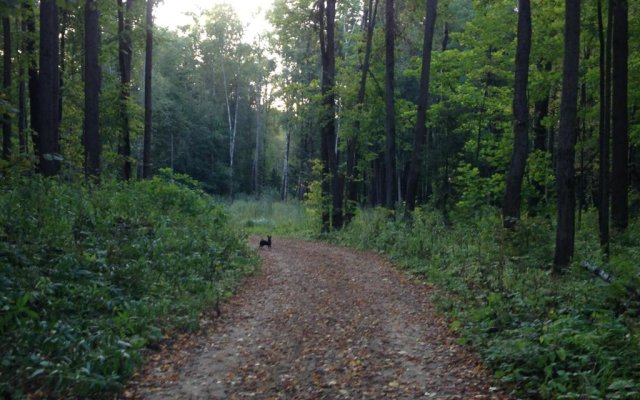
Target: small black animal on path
{"points": [[265, 242]]}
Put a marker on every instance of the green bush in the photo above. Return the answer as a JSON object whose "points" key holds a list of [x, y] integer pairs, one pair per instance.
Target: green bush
{"points": [[90, 276]]}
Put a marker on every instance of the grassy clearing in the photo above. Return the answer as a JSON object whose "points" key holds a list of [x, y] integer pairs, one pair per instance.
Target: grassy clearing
{"points": [[91, 276], [267, 216]]}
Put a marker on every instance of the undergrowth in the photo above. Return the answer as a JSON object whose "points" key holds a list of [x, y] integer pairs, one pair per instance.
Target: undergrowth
{"points": [[91, 276], [553, 337]]}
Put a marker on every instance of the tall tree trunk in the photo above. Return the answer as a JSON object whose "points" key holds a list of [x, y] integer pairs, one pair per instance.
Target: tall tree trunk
{"points": [[620, 117], [6, 83], [390, 112], [148, 68], [255, 165], [92, 144], [125, 53], [512, 197], [351, 190], [331, 181], [583, 135], [63, 31], [604, 133], [30, 51], [284, 189], [232, 123], [48, 89], [423, 103], [565, 174], [22, 108]]}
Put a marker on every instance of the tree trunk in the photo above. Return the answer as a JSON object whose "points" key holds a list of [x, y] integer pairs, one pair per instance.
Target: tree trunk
{"points": [[423, 103], [48, 89], [125, 53], [232, 124], [22, 109], [604, 133], [331, 182], [512, 196], [63, 29], [326, 123], [255, 166], [620, 117], [390, 112], [30, 50], [148, 68], [368, 25], [6, 82], [92, 144], [284, 190], [583, 134], [565, 174]]}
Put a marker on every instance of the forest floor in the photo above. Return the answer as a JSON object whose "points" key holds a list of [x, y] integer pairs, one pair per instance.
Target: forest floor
{"points": [[319, 321]]}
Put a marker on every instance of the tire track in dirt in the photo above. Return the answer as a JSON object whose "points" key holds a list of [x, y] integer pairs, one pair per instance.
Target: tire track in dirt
{"points": [[321, 321]]}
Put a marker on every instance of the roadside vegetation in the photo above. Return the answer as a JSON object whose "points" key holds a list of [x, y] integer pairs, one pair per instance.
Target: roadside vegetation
{"points": [[92, 277], [544, 335]]}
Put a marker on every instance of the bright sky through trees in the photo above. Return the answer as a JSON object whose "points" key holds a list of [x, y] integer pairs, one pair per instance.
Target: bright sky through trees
{"points": [[171, 13]]}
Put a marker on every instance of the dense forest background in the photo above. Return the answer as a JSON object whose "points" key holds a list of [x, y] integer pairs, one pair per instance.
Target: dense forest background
{"points": [[245, 118], [459, 117]]}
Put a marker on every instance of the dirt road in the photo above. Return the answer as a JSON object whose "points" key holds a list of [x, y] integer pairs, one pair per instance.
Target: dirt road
{"points": [[320, 322]]}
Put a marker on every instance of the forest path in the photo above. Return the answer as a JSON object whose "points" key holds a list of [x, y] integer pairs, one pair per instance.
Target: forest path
{"points": [[319, 321]]}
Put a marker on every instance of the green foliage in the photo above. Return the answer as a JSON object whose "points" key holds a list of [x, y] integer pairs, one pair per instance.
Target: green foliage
{"points": [[315, 201], [546, 336], [90, 276]]}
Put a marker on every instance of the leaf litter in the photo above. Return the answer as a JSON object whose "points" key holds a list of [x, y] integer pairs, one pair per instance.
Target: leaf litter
{"points": [[319, 321]]}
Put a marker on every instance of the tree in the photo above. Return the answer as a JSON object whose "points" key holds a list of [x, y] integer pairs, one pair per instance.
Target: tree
{"points": [[620, 117], [6, 118], [331, 180], [148, 67], [423, 102], [92, 143], [30, 54], [512, 196], [255, 165], [48, 89], [233, 121], [284, 187], [22, 93], [565, 172], [604, 126], [63, 48], [368, 25], [224, 53], [390, 112], [125, 53]]}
